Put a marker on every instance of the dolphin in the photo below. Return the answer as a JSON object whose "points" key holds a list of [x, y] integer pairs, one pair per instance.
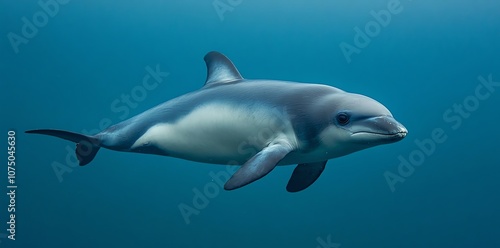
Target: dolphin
{"points": [[256, 124]]}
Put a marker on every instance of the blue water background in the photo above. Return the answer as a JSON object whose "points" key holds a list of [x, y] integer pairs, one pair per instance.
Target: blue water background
{"points": [[427, 59]]}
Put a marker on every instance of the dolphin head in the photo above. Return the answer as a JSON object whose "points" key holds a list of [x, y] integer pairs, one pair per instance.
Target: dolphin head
{"points": [[357, 122]]}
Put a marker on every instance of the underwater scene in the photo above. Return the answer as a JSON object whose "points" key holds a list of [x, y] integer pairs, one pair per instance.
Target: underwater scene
{"points": [[237, 123]]}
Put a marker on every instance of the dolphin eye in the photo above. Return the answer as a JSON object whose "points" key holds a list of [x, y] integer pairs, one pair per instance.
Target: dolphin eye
{"points": [[342, 118]]}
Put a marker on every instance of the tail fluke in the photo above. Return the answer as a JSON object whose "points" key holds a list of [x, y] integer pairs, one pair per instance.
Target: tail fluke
{"points": [[86, 146]]}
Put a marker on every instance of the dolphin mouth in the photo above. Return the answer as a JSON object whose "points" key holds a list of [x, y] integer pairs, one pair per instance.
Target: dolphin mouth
{"points": [[382, 128], [399, 135]]}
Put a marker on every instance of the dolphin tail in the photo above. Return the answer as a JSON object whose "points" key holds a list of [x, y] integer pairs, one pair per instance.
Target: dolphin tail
{"points": [[86, 146]]}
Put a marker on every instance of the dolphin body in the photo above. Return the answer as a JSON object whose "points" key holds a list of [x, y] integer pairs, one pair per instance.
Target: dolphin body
{"points": [[257, 124]]}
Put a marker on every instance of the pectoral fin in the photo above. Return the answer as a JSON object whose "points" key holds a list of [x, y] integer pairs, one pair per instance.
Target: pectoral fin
{"points": [[258, 166], [304, 175]]}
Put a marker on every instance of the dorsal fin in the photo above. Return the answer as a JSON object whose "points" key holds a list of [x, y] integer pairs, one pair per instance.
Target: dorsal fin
{"points": [[220, 69]]}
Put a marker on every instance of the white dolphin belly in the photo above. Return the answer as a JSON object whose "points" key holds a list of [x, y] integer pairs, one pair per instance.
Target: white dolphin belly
{"points": [[219, 133]]}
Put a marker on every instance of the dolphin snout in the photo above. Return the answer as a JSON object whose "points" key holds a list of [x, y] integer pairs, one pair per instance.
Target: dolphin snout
{"points": [[387, 125], [383, 129]]}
